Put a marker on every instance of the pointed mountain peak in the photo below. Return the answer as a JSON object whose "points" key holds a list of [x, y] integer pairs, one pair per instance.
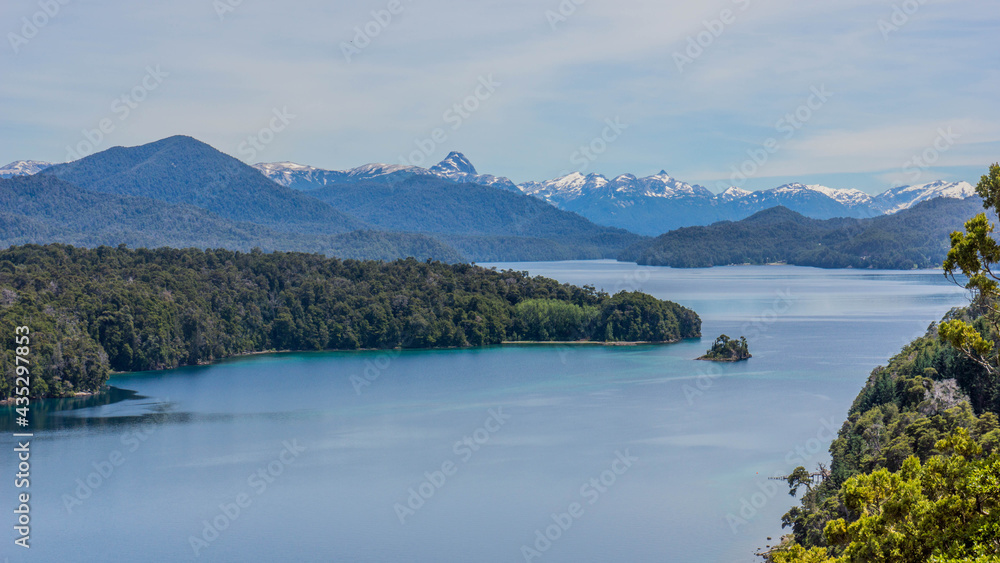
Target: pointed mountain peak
{"points": [[454, 163], [735, 191]]}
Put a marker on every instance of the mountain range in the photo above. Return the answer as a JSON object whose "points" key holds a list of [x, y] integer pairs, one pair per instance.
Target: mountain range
{"points": [[650, 205], [181, 192]]}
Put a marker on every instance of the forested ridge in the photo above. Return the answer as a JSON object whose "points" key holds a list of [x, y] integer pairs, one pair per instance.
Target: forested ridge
{"points": [[915, 471], [912, 238], [92, 311]]}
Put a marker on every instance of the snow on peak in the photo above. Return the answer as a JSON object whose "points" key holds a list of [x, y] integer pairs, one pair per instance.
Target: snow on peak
{"points": [[376, 169], [904, 197], [849, 197], [455, 164], [23, 168], [564, 188], [733, 192]]}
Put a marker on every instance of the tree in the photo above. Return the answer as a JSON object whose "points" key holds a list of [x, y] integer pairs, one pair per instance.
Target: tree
{"points": [[798, 478], [976, 254]]}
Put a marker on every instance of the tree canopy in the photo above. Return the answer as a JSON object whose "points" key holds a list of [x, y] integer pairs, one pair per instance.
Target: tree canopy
{"points": [[91, 311]]}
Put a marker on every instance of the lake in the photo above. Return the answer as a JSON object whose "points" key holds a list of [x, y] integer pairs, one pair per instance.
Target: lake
{"points": [[545, 453]]}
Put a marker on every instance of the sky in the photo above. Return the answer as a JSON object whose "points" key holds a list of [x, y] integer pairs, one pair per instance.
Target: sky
{"points": [[752, 93]]}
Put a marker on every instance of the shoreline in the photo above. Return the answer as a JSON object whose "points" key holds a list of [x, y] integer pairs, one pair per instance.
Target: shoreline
{"points": [[112, 373], [588, 342]]}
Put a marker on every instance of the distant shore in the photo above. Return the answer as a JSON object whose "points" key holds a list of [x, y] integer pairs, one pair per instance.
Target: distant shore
{"points": [[589, 342]]}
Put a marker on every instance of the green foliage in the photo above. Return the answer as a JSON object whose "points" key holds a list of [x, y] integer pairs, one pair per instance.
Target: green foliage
{"points": [[944, 509], [916, 473], [637, 317], [725, 349], [91, 311], [912, 238], [549, 319]]}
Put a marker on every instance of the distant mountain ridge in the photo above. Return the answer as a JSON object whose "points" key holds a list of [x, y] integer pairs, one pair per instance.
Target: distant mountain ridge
{"points": [[917, 237], [648, 205], [42, 209], [194, 195], [660, 203], [455, 167]]}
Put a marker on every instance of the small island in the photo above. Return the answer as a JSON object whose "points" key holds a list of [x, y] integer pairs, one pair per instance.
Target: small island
{"points": [[726, 349]]}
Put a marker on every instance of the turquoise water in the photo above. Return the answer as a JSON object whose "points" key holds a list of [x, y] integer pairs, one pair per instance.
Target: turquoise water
{"points": [[618, 453]]}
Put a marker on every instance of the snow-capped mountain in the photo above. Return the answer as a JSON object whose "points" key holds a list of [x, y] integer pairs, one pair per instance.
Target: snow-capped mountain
{"points": [[23, 168], [656, 204], [566, 188], [458, 168], [455, 167], [904, 197], [649, 205], [306, 178]]}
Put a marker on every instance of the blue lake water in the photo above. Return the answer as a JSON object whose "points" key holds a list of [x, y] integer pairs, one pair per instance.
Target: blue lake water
{"points": [[618, 453]]}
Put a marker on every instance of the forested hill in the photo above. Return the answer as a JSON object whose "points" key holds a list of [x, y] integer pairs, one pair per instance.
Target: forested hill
{"points": [[180, 169], [95, 310], [913, 238], [483, 222], [43, 209]]}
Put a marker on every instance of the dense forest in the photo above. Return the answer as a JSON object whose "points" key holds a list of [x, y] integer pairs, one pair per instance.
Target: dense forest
{"points": [[92, 311], [915, 471], [912, 238]]}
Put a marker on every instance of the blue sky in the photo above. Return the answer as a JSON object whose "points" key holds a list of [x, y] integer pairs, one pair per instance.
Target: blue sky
{"points": [[720, 92]]}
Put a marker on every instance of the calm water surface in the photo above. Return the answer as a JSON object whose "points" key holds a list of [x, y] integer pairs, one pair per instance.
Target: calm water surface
{"points": [[640, 453]]}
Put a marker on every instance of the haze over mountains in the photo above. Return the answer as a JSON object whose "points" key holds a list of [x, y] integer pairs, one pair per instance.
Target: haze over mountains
{"points": [[181, 192]]}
